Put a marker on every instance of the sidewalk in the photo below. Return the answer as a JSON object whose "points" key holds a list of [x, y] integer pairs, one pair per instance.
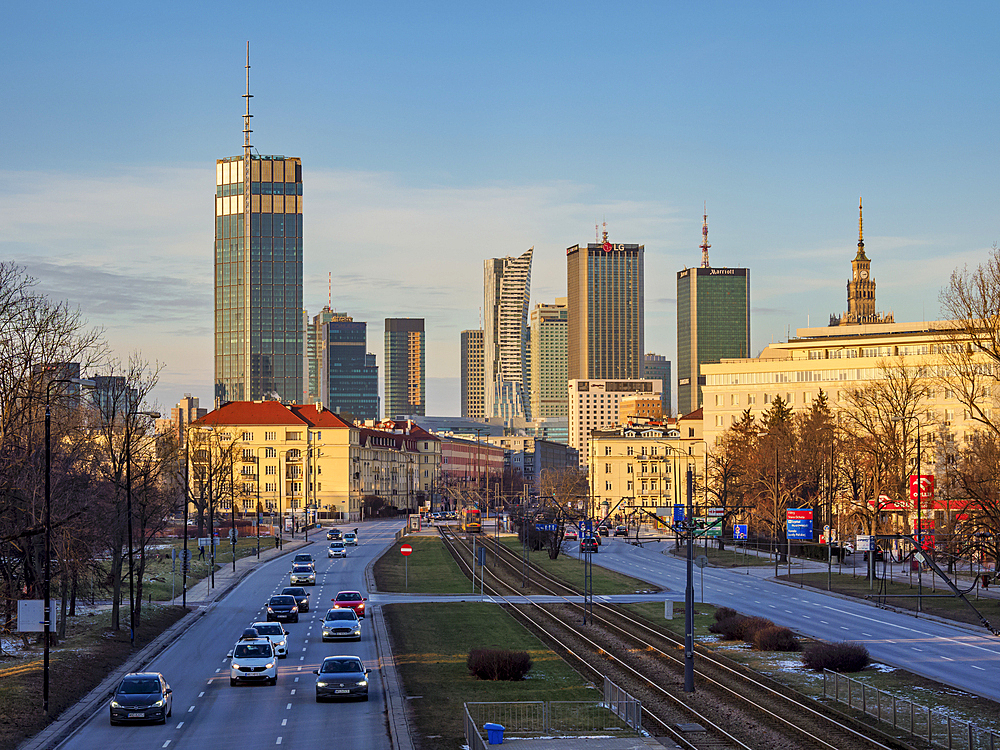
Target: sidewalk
{"points": [[200, 598]]}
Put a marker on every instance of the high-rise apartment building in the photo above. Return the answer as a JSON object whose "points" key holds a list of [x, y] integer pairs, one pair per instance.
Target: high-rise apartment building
{"points": [[507, 286], [594, 404], [605, 291], [713, 322], [404, 360], [258, 275], [549, 331], [348, 373], [473, 399], [313, 352], [182, 415], [657, 367]]}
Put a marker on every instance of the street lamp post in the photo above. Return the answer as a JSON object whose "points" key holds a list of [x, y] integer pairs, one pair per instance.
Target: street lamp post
{"points": [[184, 556], [919, 555], [47, 587]]}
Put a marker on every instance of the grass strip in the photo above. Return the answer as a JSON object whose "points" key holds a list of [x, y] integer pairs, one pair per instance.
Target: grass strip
{"points": [[429, 570], [432, 642]]}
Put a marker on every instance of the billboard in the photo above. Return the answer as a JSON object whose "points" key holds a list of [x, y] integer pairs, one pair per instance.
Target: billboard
{"points": [[926, 482]]}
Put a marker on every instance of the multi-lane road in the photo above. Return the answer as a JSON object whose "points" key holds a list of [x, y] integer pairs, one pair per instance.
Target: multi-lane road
{"points": [[967, 659], [209, 713]]}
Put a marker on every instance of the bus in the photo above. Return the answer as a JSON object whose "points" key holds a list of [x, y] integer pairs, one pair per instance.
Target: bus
{"points": [[471, 523]]}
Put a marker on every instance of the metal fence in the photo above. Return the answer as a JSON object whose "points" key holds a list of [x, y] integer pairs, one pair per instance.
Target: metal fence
{"points": [[935, 726], [623, 705]]}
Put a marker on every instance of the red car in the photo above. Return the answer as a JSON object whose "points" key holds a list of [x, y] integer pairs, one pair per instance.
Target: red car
{"points": [[350, 600]]}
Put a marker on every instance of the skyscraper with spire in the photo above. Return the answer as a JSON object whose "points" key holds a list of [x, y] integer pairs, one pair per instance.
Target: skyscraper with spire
{"points": [[861, 287], [258, 274], [713, 321]]}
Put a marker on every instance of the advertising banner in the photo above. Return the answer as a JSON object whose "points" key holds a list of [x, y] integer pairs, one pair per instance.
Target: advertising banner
{"points": [[926, 483]]}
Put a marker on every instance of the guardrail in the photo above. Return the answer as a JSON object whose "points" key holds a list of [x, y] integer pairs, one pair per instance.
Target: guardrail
{"points": [[937, 727]]}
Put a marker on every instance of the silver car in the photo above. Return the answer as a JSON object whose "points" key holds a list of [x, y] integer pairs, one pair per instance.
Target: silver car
{"points": [[276, 634], [336, 549], [341, 623]]}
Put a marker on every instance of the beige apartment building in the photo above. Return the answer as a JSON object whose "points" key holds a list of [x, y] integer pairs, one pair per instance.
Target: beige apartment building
{"points": [[593, 405], [833, 359], [297, 460]]}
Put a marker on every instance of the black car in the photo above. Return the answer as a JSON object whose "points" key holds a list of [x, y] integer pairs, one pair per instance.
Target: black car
{"points": [[334, 534], [142, 696], [603, 531], [300, 594], [341, 677], [282, 607], [589, 544], [621, 530]]}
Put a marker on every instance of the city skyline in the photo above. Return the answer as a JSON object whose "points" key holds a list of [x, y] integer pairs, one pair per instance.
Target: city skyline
{"points": [[777, 117]]}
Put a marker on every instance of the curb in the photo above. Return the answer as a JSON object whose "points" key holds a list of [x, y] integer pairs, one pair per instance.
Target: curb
{"points": [[76, 715]]}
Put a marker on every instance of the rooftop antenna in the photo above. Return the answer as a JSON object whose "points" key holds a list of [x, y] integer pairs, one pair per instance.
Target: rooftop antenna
{"points": [[597, 232], [704, 239], [329, 290], [246, 158]]}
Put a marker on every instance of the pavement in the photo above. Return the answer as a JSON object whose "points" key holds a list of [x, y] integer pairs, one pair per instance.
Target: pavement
{"points": [[200, 599]]}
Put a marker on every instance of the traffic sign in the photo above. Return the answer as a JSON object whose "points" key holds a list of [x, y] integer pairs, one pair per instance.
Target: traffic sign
{"points": [[800, 523], [233, 533], [740, 531], [406, 550], [546, 526], [204, 541], [701, 561]]}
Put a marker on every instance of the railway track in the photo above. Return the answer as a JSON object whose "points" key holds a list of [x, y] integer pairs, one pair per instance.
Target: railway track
{"points": [[736, 708]]}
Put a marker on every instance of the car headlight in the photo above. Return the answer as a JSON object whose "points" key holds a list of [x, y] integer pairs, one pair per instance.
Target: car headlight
{"points": [[295, 609], [363, 683], [159, 704], [321, 684], [281, 644], [269, 666], [270, 610], [234, 665], [115, 704]]}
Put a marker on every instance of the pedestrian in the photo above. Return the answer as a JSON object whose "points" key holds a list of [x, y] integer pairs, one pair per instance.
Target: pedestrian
{"points": [[276, 542], [986, 581], [201, 551]]}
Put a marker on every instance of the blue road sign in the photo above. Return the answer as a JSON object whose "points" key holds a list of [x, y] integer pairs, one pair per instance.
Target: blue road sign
{"points": [[800, 523], [546, 526], [740, 531], [587, 527], [678, 513]]}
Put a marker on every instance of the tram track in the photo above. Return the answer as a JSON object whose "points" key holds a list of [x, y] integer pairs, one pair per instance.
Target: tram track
{"points": [[737, 708]]}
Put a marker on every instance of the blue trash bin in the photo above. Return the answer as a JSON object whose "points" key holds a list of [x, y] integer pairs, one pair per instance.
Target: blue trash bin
{"points": [[494, 733]]}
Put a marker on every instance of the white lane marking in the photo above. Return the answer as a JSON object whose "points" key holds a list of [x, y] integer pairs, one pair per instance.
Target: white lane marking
{"points": [[946, 658], [278, 742], [298, 669], [288, 706], [284, 722], [843, 628], [303, 648], [302, 658], [179, 725], [165, 743], [867, 635], [297, 679], [209, 682], [191, 709], [789, 611], [824, 622], [916, 649], [981, 669], [201, 694], [218, 670]]}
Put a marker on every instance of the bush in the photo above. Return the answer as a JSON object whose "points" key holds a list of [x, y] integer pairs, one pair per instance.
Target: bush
{"points": [[775, 638], [740, 627], [838, 657], [498, 664], [724, 613]]}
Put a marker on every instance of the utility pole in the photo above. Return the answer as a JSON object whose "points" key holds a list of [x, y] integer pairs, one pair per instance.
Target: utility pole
{"points": [[689, 590]]}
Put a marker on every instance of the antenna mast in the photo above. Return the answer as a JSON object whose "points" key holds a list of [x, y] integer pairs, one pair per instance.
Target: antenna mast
{"points": [[246, 221], [704, 239]]}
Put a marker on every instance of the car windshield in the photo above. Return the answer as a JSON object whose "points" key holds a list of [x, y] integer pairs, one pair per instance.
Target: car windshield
{"points": [[252, 651], [281, 601], [138, 687], [295, 592], [270, 629], [336, 545], [302, 569], [303, 558], [331, 666], [349, 597], [341, 614]]}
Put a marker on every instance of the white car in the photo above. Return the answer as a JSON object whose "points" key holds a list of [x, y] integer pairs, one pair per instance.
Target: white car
{"points": [[276, 634], [341, 623], [336, 549], [253, 660], [351, 539]]}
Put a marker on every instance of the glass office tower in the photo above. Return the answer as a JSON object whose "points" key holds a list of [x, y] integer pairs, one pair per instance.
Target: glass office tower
{"points": [[348, 372], [405, 367], [258, 295], [713, 322]]}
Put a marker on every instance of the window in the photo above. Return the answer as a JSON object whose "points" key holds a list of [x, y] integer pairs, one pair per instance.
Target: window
{"points": [[293, 436], [270, 453], [607, 468], [270, 435], [248, 487], [607, 450], [248, 454], [718, 399], [629, 470], [247, 471], [767, 398], [734, 400], [247, 436], [652, 451], [270, 470], [751, 399], [630, 451], [607, 486], [270, 487], [690, 431], [718, 420], [628, 486]]}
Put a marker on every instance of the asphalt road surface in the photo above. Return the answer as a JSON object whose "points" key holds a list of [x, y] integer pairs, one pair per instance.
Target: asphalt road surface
{"points": [[955, 656], [210, 714]]}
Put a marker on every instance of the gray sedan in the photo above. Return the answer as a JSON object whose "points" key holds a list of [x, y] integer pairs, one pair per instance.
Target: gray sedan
{"points": [[341, 677]]}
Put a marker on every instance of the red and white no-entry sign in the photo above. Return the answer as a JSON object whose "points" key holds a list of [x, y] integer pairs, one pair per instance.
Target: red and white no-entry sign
{"points": [[406, 549]]}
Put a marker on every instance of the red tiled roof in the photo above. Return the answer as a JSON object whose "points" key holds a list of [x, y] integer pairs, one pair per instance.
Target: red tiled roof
{"points": [[696, 414], [270, 413]]}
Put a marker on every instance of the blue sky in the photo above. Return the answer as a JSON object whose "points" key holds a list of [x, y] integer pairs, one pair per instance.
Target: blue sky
{"points": [[436, 135]]}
